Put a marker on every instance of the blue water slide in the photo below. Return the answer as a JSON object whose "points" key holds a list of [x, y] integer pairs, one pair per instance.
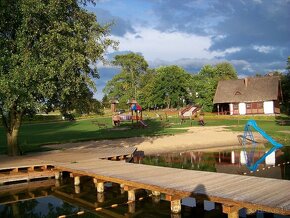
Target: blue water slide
{"points": [[276, 145]]}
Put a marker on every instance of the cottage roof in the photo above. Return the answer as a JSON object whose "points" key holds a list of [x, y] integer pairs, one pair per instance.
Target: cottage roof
{"points": [[247, 90]]}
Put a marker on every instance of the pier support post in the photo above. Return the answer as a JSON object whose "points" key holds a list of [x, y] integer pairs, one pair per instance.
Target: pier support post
{"points": [[100, 187], [131, 195], [57, 175], [232, 211], [57, 183], [250, 211], [100, 197], [99, 184], [175, 215], [77, 180], [156, 193], [131, 192], [131, 207], [95, 182], [77, 189], [175, 206], [156, 199]]}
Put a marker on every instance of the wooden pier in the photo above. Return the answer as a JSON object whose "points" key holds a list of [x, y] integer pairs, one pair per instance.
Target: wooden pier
{"points": [[25, 191], [24, 171], [234, 192]]}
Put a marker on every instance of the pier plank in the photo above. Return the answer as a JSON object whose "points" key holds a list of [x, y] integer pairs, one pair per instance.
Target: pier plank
{"points": [[243, 191], [270, 195]]}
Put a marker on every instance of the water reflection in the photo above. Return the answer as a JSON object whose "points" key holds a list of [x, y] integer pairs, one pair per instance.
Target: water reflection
{"points": [[229, 161], [64, 198]]}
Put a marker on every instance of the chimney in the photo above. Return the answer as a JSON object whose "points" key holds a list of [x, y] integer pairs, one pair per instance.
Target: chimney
{"points": [[246, 82]]}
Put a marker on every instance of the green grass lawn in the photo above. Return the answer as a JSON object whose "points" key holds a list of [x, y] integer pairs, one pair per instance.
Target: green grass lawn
{"points": [[32, 136]]}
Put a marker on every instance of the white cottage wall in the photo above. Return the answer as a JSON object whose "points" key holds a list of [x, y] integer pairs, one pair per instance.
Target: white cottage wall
{"points": [[268, 107], [242, 108], [231, 109]]}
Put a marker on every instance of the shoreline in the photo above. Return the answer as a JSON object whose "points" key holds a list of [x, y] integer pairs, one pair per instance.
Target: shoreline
{"points": [[196, 138]]}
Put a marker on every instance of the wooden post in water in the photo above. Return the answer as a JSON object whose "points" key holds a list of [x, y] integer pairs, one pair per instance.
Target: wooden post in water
{"points": [[131, 207], [100, 197], [175, 203], [131, 195], [232, 211], [122, 188], [156, 197], [100, 187], [175, 206], [57, 175], [99, 184], [77, 180], [156, 193], [77, 189], [57, 183], [131, 192], [250, 211]]}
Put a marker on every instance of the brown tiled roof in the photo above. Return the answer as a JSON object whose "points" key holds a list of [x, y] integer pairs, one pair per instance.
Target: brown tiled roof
{"points": [[247, 90]]}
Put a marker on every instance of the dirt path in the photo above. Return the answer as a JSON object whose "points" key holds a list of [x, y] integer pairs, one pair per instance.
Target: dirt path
{"points": [[196, 138]]}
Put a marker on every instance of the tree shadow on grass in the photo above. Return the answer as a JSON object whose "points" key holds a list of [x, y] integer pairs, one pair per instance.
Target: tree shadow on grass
{"points": [[33, 137], [282, 121]]}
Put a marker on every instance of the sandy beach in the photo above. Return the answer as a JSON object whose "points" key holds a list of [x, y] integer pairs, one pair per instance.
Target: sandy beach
{"points": [[196, 138]]}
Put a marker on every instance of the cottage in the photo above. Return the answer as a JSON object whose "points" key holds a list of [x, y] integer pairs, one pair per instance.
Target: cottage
{"points": [[257, 95]]}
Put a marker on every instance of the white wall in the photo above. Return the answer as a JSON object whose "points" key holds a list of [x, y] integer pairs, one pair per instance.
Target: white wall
{"points": [[271, 159], [242, 108], [268, 107], [231, 109]]}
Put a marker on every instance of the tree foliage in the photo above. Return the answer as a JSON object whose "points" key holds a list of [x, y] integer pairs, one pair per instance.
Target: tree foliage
{"points": [[126, 84], [285, 83], [170, 87], [47, 53], [205, 82]]}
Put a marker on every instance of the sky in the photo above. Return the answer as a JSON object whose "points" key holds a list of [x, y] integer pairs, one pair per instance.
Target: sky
{"points": [[253, 35]]}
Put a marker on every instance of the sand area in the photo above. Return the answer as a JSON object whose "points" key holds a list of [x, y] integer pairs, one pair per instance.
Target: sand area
{"points": [[196, 138]]}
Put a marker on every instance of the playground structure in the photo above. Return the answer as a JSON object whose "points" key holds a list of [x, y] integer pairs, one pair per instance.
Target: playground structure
{"points": [[188, 113], [136, 115], [248, 137]]}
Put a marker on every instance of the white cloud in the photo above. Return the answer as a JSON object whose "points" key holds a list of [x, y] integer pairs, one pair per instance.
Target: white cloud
{"points": [[258, 1], [263, 49], [170, 46]]}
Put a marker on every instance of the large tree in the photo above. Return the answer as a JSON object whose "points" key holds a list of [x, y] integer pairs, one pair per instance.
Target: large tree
{"points": [[285, 82], [170, 87], [126, 84], [47, 53], [205, 82]]}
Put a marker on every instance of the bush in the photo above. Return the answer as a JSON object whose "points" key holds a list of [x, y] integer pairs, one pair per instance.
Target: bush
{"points": [[41, 117]]}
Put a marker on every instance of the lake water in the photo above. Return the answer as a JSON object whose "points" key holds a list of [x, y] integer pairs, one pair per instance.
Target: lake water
{"points": [[63, 198]]}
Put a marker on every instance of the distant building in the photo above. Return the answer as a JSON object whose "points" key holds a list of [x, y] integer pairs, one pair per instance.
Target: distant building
{"points": [[257, 95]]}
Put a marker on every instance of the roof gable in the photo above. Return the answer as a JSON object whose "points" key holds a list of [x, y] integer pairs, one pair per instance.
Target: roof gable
{"points": [[247, 90]]}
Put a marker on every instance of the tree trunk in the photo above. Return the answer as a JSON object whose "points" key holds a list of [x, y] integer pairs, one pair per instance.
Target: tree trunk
{"points": [[12, 142], [11, 123]]}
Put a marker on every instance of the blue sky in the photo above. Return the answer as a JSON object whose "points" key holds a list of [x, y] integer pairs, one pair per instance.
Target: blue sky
{"points": [[253, 35]]}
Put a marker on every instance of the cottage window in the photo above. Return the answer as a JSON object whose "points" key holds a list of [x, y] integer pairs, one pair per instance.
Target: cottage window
{"points": [[249, 105], [236, 106], [260, 105], [237, 93]]}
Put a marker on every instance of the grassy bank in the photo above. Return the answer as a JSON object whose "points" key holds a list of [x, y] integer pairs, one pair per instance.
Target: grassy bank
{"points": [[33, 135]]}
